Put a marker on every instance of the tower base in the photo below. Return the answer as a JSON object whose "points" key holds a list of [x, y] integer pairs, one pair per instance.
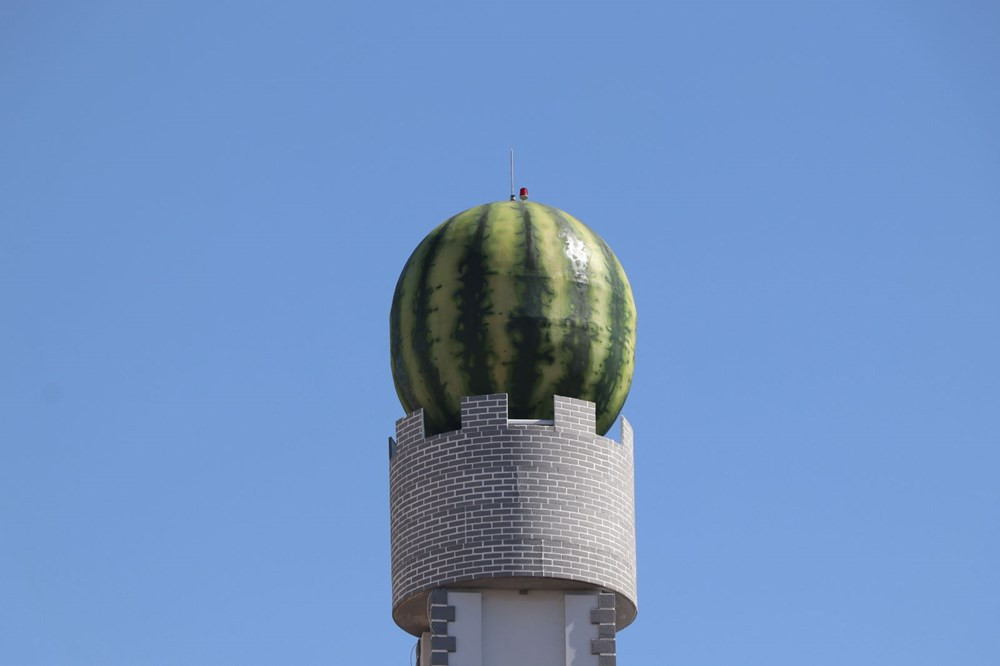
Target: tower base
{"points": [[491, 627]]}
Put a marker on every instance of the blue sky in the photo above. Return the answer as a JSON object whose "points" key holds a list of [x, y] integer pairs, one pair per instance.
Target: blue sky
{"points": [[204, 207]]}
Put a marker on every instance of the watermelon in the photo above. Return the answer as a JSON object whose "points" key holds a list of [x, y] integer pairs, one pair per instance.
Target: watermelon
{"points": [[512, 297]]}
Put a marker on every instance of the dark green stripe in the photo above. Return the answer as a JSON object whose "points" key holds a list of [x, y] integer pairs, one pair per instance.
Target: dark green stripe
{"points": [[577, 341], [529, 331], [614, 362], [473, 301], [397, 348], [435, 418]]}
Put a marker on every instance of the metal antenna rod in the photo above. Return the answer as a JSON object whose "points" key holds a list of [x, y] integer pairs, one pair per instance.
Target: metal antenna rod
{"points": [[511, 174]]}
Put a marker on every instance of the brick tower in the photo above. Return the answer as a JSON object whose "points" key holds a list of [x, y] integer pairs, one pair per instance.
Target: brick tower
{"points": [[513, 534]]}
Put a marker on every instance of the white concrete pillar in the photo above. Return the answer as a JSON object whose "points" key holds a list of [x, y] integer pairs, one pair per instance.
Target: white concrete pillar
{"points": [[525, 627]]}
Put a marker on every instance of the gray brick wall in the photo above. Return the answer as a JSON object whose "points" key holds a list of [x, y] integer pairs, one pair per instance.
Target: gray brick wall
{"points": [[498, 500]]}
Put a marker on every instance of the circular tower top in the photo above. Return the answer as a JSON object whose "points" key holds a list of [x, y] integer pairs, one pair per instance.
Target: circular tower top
{"points": [[512, 297]]}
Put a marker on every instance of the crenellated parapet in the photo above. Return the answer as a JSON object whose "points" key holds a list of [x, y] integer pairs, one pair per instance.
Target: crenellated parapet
{"points": [[505, 503]]}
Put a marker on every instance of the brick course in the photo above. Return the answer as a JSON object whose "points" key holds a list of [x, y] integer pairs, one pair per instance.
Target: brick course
{"points": [[496, 500]]}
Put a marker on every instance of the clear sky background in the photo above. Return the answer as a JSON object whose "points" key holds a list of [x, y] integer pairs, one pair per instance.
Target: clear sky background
{"points": [[204, 207]]}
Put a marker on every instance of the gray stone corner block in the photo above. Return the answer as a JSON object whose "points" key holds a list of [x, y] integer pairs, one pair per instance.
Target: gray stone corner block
{"points": [[446, 613], [602, 616], [446, 643], [602, 646]]}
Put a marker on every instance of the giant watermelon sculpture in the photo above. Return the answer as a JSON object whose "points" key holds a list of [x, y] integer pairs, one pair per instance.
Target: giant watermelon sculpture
{"points": [[512, 297]]}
